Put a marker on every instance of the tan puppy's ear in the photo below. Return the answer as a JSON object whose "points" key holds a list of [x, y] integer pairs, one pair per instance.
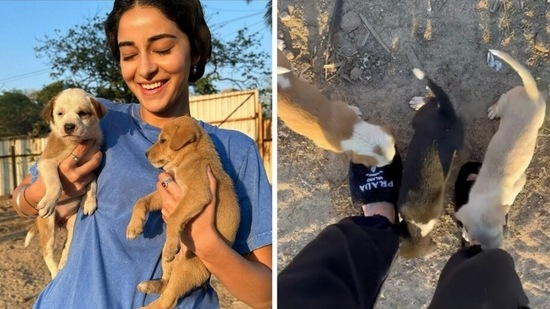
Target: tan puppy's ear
{"points": [[182, 135], [98, 107], [47, 112]]}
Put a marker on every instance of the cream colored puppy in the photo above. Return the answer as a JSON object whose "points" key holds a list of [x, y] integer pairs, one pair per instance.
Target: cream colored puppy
{"points": [[502, 175], [73, 116], [331, 125]]}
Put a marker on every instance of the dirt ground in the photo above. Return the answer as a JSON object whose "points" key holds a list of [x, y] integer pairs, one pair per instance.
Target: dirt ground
{"points": [[449, 41], [24, 274]]}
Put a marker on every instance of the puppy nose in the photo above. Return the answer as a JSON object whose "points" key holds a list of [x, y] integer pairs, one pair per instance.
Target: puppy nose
{"points": [[147, 153], [69, 127]]}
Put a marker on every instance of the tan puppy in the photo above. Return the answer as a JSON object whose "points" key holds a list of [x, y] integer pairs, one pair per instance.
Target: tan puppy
{"points": [[185, 150], [502, 175], [331, 125], [73, 116]]}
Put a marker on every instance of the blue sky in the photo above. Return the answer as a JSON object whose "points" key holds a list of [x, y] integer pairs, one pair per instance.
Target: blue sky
{"points": [[25, 22]]}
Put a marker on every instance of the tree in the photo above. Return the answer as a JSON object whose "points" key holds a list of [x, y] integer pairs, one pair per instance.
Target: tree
{"points": [[268, 11], [18, 114], [81, 57], [238, 62]]}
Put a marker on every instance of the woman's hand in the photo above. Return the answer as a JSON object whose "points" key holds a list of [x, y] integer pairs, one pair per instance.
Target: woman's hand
{"points": [[200, 234], [74, 175], [247, 277]]}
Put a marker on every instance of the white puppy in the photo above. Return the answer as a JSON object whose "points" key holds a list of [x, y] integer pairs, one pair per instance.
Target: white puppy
{"points": [[502, 174], [331, 125], [73, 116]]}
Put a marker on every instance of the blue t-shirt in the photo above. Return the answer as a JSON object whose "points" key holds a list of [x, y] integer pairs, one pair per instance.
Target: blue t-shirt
{"points": [[103, 268]]}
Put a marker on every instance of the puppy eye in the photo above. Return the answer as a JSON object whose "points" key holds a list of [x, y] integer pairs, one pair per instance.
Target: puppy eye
{"points": [[83, 114], [162, 140], [59, 114]]}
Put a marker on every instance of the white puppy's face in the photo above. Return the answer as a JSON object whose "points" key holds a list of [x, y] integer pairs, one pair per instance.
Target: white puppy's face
{"points": [[484, 222], [72, 113]]}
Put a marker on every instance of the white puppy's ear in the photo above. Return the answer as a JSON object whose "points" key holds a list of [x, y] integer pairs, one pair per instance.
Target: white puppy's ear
{"points": [[47, 112], [98, 107]]}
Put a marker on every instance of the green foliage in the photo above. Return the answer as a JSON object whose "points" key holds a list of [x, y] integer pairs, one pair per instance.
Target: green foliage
{"points": [[18, 114], [82, 58], [268, 11]]}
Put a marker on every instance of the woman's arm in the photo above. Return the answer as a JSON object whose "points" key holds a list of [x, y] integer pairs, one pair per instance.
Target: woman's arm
{"points": [[74, 178], [247, 277]]}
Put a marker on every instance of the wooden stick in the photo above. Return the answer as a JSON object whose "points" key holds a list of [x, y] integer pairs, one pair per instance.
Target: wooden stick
{"points": [[371, 29], [335, 20], [413, 59]]}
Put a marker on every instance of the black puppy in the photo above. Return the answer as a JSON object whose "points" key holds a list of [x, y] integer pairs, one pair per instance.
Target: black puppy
{"points": [[462, 191], [438, 135]]}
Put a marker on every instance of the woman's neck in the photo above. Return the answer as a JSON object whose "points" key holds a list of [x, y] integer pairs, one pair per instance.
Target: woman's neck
{"points": [[160, 119]]}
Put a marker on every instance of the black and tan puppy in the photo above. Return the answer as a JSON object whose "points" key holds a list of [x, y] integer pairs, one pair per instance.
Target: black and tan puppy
{"points": [[438, 135]]}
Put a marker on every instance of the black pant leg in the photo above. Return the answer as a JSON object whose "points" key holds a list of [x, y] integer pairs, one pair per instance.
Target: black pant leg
{"points": [[343, 267], [479, 279]]}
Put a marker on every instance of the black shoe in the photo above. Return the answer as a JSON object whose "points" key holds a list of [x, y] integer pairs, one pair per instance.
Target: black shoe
{"points": [[376, 184]]}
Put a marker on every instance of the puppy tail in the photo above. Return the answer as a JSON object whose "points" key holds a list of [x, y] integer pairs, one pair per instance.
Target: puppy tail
{"points": [[419, 73], [30, 234], [528, 80], [445, 105]]}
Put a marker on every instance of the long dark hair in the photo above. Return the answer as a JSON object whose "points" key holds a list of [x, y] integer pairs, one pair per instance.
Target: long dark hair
{"points": [[187, 14]]}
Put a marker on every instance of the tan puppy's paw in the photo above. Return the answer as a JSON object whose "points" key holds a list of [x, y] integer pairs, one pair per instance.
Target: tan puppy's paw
{"points": [[492, 112], [171, 248], [416, 103], [151, 286], [133, 230]]}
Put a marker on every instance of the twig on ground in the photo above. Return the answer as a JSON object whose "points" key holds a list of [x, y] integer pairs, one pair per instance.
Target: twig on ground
{"points": [[376, 36], [335, 20], [495, 6], [413, 59]]}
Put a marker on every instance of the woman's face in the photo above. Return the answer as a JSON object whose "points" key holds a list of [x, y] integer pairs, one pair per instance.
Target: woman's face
{"points": [[155, 58]]}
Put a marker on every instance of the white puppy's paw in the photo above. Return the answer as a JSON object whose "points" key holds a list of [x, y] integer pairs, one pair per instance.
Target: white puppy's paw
{"points": [[492, 112], [416, 103], [356, 110], [89, 205], [46, 206]]}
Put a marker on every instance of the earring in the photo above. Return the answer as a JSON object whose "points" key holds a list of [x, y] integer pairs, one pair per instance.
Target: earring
{"points": [[194, 70]]}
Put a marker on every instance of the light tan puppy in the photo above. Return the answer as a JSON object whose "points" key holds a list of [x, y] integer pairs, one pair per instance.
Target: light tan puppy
{"points": [[502, 175], [73, 116], [184, 150], [331, 125]]}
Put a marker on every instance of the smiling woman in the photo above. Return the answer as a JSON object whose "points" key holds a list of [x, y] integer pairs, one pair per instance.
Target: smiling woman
{"points": [[155, 60], [160, 51]]}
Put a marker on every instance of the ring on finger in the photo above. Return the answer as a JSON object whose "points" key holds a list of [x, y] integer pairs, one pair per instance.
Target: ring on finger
{"points": [[75, 158], [165, 182]]}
